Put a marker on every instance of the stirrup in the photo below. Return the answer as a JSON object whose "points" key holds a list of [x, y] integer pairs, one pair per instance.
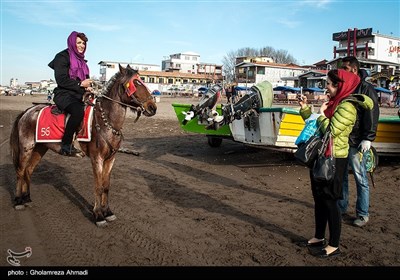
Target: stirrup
{"points": [[69, 150]]}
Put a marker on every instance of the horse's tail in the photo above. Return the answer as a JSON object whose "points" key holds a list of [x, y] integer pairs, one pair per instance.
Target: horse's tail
{"points": [[14, 141]]}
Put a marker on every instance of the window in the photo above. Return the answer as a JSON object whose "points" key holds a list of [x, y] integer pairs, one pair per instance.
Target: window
{"points": [[261, 71], [151, 80], [160, 80]]}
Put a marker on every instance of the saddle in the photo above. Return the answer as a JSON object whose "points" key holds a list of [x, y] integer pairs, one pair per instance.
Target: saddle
{"points": [[88, 98], [51, 124], [56, 111]]}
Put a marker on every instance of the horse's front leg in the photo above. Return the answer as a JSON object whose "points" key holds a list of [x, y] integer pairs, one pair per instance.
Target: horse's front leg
{"points": [[105, 208], [97, 164]]}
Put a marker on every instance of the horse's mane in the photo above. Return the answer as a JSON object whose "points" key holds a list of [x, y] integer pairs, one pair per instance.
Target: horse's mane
{"points": [[108, 86]]}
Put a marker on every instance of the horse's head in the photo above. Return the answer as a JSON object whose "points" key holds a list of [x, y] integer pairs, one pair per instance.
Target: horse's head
{"points": [[136, 93]]}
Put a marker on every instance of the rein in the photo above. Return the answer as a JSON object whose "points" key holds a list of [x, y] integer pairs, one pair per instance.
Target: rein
{"points": [[139, 109], [109, 127]]}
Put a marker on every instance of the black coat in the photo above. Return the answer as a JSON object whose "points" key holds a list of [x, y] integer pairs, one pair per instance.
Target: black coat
{"points": [[68, 90], [367, 121]]}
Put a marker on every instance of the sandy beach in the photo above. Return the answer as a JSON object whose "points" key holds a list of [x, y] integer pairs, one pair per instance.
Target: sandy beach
{"points": [[182, 203]]}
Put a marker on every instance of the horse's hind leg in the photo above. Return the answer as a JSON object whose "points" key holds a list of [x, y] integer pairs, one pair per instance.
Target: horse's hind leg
{"points": [[30, 160], [22, 191], [38, 152]]}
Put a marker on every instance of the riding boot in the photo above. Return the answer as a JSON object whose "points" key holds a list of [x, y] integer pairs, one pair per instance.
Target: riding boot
{"points": [[69, 150]]}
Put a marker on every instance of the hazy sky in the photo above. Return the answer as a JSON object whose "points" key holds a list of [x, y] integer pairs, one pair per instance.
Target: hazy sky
{"points": [[32, 32]]}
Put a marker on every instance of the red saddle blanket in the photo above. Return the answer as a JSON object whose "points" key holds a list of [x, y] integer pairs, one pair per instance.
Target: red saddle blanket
{"points": [[50, 127]]}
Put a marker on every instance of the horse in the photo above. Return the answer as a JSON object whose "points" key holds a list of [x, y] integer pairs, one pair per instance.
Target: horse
{"points": [[124, 90]]}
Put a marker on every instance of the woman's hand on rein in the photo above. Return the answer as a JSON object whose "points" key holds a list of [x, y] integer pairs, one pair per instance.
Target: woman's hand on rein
{"points": [[86, 83]]}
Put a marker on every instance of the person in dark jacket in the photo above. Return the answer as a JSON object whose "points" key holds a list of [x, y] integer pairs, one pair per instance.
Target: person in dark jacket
{"points": [[364, 132], [72, 77]]}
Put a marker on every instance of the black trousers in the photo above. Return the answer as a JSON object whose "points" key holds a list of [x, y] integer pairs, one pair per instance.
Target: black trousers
{"points": [[326, 208], [76, 111]]}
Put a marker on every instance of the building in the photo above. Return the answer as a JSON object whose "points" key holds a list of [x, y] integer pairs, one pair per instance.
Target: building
{"points": [[33, 85], [181, 72], [253, 70], [312, 79], [189, 62], [181, 62], [13, 82], [164, 81], [364, 43], [110, 68], [378, 54]]}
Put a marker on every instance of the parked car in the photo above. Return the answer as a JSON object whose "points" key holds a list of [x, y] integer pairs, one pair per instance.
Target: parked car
{"points": [[202, 90]]}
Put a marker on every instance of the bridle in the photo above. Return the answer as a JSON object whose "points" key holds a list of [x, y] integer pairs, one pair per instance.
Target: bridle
{"points": [[130, 90]]}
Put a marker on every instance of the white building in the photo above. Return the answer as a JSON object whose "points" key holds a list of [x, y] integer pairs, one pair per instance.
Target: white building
{"points": [[250, 71], [181, 62], [378, 54], [189, 63], [364, 43], [13, 82], [110, 68]]}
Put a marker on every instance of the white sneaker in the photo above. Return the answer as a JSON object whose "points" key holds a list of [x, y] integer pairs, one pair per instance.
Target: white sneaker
{"points": [[361, 221]]}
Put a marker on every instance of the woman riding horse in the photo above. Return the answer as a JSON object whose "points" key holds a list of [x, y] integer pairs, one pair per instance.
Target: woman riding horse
{"points": [[124, 90], [72, 76]]}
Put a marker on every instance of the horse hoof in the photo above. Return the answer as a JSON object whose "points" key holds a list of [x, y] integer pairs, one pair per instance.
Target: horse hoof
{"points": [[28, 204], [19, 207], [111, 218], [101, 223], [80, 154]]}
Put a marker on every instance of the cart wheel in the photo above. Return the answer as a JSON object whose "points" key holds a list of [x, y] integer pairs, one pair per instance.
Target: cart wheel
{"points": [[214, 141]]}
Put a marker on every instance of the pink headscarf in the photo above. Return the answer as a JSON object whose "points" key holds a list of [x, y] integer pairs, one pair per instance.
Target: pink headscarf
{"points": [[78, 67], [345, 88]]}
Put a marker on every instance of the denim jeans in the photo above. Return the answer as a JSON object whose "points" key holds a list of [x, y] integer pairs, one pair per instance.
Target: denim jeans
{"points": [[361, 178]]}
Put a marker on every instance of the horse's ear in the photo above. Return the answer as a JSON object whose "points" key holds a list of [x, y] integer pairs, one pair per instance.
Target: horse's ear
{"points": [[129, 67], [121, 69]]}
